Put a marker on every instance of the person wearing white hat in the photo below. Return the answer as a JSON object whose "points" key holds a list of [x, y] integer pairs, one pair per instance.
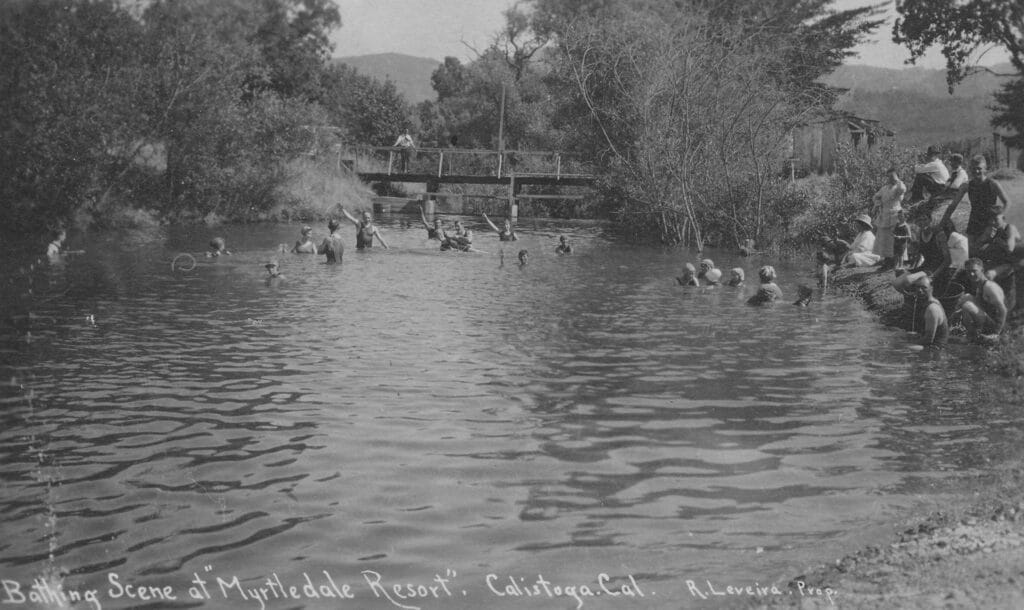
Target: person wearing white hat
{"points": [[861, 254]]}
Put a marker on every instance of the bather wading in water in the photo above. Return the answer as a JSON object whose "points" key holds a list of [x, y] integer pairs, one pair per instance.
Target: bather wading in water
{"points": [[689, 276], [365, 230], [506, 233], [768, 292]]}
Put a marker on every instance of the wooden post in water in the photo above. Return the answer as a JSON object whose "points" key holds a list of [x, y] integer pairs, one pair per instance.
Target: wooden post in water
{"points": [[513, 204]]}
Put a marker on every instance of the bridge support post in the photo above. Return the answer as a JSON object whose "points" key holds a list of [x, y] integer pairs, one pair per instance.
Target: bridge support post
{"points": [[513, 202], [429, 200]]}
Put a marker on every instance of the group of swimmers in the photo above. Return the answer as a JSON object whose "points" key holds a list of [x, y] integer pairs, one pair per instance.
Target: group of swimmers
{"points": [[459, 238], [768, 291]]}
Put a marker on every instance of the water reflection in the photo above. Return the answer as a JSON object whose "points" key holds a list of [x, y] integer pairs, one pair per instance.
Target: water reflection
{"points": [[412, 410]]}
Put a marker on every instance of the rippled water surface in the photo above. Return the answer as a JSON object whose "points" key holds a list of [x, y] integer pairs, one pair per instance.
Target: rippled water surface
{"points": [[415, 413]]}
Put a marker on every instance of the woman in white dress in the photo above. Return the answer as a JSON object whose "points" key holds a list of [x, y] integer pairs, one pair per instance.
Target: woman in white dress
{"points": [[861, 252], [886, 206]]}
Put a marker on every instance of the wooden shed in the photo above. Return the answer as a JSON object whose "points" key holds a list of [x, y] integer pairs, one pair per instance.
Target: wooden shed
{"points": [[813, 145]]}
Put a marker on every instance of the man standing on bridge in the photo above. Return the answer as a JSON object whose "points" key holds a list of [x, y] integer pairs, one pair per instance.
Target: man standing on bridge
{"points": [[405, 143]]}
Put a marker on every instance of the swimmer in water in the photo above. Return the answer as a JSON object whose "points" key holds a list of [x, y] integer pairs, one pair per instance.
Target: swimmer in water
{"points": [[305, 243], [564, 247], [273, 270], [768, 292], [736, 277], [462, 243], [505, 233], [332, 245], [523, 254], [218, 247], [433, 232], [365, 230], [689, 276]]}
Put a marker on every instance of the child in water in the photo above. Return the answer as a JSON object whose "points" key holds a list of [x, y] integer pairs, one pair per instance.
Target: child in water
{"points": [[736, 277]]}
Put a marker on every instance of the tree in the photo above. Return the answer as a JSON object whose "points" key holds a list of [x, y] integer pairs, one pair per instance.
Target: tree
{"points": [[962, 30], [371, 112], [67, 121], [687, 113]]}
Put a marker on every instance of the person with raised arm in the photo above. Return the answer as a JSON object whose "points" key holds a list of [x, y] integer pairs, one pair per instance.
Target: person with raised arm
{"points": [[332, 245], [365, 230], [506, 233], [433, 232]]}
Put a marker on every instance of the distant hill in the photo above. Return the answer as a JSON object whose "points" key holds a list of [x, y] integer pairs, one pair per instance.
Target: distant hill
{"points": [[916, 102], [411, 75]]}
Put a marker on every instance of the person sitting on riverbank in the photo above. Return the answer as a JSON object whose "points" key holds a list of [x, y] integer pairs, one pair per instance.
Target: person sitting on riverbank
{"points": [[433, 232], [886, 206], [564, 247], [957, 174], [218, 247], [365, 230], [768, 292], [1000, 247], [736, 277], [505, 233], [1003, 254], [955, 253], [305, 244], [987, 199], [860, 252], [984, 307], [929, 177], [689, 276], [332, 245]]}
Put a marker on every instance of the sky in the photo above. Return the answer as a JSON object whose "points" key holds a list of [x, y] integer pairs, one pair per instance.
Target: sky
{"points": [[440, 28]]}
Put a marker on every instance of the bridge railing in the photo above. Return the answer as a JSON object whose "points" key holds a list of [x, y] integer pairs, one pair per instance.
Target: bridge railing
{"points": [[397, 161]]}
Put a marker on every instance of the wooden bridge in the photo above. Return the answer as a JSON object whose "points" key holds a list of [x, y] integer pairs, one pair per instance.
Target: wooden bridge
{"points": [[436, 166]]}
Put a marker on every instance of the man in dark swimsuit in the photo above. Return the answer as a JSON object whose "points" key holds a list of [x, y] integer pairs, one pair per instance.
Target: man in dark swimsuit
{"points": [[984, 193], [331, 245], [365, 230]]}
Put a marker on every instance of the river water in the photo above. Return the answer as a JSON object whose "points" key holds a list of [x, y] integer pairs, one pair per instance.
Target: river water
{"points": [[453, 420]]}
